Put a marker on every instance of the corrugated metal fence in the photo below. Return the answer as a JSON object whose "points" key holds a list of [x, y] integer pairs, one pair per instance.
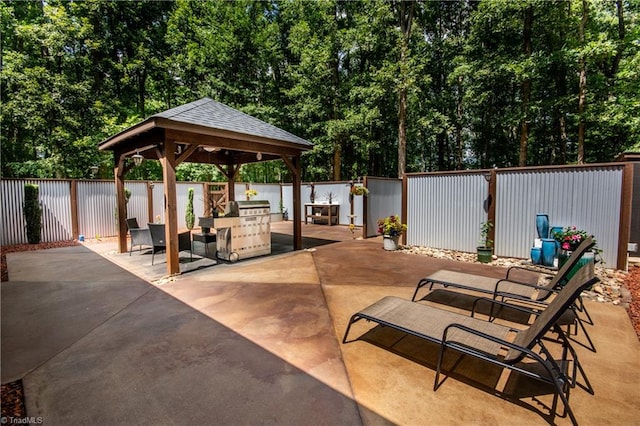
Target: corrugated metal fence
{"points": [[446, 210], [55, 197], [588, 198], [385, 199]]}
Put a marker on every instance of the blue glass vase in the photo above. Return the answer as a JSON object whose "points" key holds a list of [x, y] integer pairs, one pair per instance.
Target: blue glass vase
{"points": [[548, 251], [542, 225], [536, 255], [552, 232]]}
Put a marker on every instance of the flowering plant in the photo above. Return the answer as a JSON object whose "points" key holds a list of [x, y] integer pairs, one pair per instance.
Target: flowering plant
{"points": [[250, 193], [570, 237], [359, 190], [391, 225]]}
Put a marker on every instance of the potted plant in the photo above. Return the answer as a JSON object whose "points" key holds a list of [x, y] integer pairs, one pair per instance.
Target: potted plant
{"points": [[569, 239], [250, 193], [359, 190], [485, 247], [391, 228]]}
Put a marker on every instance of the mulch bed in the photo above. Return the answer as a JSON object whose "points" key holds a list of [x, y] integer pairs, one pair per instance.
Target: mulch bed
{"points": [[13, 400], [13, 395], [633, 285]]}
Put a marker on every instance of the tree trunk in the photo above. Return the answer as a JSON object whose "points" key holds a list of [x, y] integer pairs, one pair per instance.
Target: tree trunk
{"points": [[335, 76], [405, 12], [459, 113], [526, 89], [582, 91], [402, 129]]}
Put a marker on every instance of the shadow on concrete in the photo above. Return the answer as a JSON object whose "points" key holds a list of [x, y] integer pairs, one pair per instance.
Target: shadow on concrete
{"points": [[472, 371], [117, 350]]}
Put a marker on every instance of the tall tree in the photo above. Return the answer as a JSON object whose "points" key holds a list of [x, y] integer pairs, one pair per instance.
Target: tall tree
{"points": [[405, 11], [582, 91], [526, 84]]}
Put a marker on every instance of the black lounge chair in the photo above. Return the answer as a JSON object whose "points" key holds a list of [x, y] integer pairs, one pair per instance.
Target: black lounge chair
{"points": [[489, 341], [139, 236], [514, 287], [158, 240]]}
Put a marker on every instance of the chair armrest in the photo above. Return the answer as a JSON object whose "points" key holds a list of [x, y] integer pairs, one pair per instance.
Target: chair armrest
{"points": [[548, 275], [529, 310], [536, 286]]}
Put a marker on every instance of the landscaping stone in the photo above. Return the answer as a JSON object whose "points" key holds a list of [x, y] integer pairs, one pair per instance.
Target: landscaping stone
{"points": [[610, 289]]}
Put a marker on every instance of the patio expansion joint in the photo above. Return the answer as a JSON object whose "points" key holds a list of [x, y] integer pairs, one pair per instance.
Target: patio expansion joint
{"points": [[338, 339]]}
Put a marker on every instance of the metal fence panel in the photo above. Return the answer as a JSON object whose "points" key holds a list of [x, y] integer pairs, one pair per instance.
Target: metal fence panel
{"points": [[56, 211], [269, 192], [138, 205], [55, 197], [13, 226], [587, 198], [96, 208], [157, 193], [446, 211], [385, 199]]}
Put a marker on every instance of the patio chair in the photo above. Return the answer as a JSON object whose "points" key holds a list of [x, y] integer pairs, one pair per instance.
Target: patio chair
{"points": [[497, 344], [158, 238], [139, 236], [514, 288]]}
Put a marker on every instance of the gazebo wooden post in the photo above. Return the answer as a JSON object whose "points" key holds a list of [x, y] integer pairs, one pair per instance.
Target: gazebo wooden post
{"points": [[231, 182], [168, 160], [297, 207], [119, 172]]}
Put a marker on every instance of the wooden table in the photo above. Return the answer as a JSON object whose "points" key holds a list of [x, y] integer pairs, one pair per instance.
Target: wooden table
{"points": [[319, 211]]}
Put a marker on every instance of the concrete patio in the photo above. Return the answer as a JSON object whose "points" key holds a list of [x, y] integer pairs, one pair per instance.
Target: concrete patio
{"points": [[99, 338]]}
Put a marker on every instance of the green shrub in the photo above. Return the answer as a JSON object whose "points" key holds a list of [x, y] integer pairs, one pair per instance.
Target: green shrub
{"points": [[32, 213], [189, 217]]}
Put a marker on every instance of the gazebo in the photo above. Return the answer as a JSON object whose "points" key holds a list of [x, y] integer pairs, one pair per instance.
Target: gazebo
{"points": [[204, 131]]}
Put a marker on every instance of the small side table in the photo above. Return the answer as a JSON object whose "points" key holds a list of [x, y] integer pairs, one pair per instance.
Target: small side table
{"points": [[206, 238]]}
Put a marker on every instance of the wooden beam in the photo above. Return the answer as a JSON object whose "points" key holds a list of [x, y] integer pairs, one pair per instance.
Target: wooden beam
{"points": [[74, 209], [491, 204], [290, 165], [149, 203], [404, 208], [297, 207], [186, 153], [168, 162], [231, 174], [118, 172], [365, 210], [625, 216]]}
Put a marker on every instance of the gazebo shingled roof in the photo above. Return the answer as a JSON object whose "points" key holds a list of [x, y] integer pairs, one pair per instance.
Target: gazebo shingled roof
{"points": [[203, 131]]}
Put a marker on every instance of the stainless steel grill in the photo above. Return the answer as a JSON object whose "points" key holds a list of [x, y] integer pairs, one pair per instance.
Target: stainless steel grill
{"points": [[245, 231]]}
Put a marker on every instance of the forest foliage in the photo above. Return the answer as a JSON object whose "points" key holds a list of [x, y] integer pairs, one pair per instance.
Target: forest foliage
{"points": [[379, 87]]}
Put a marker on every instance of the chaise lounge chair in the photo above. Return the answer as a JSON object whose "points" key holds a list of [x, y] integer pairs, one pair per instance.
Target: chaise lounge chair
{"points": [[489, 341], [516, 288]]}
